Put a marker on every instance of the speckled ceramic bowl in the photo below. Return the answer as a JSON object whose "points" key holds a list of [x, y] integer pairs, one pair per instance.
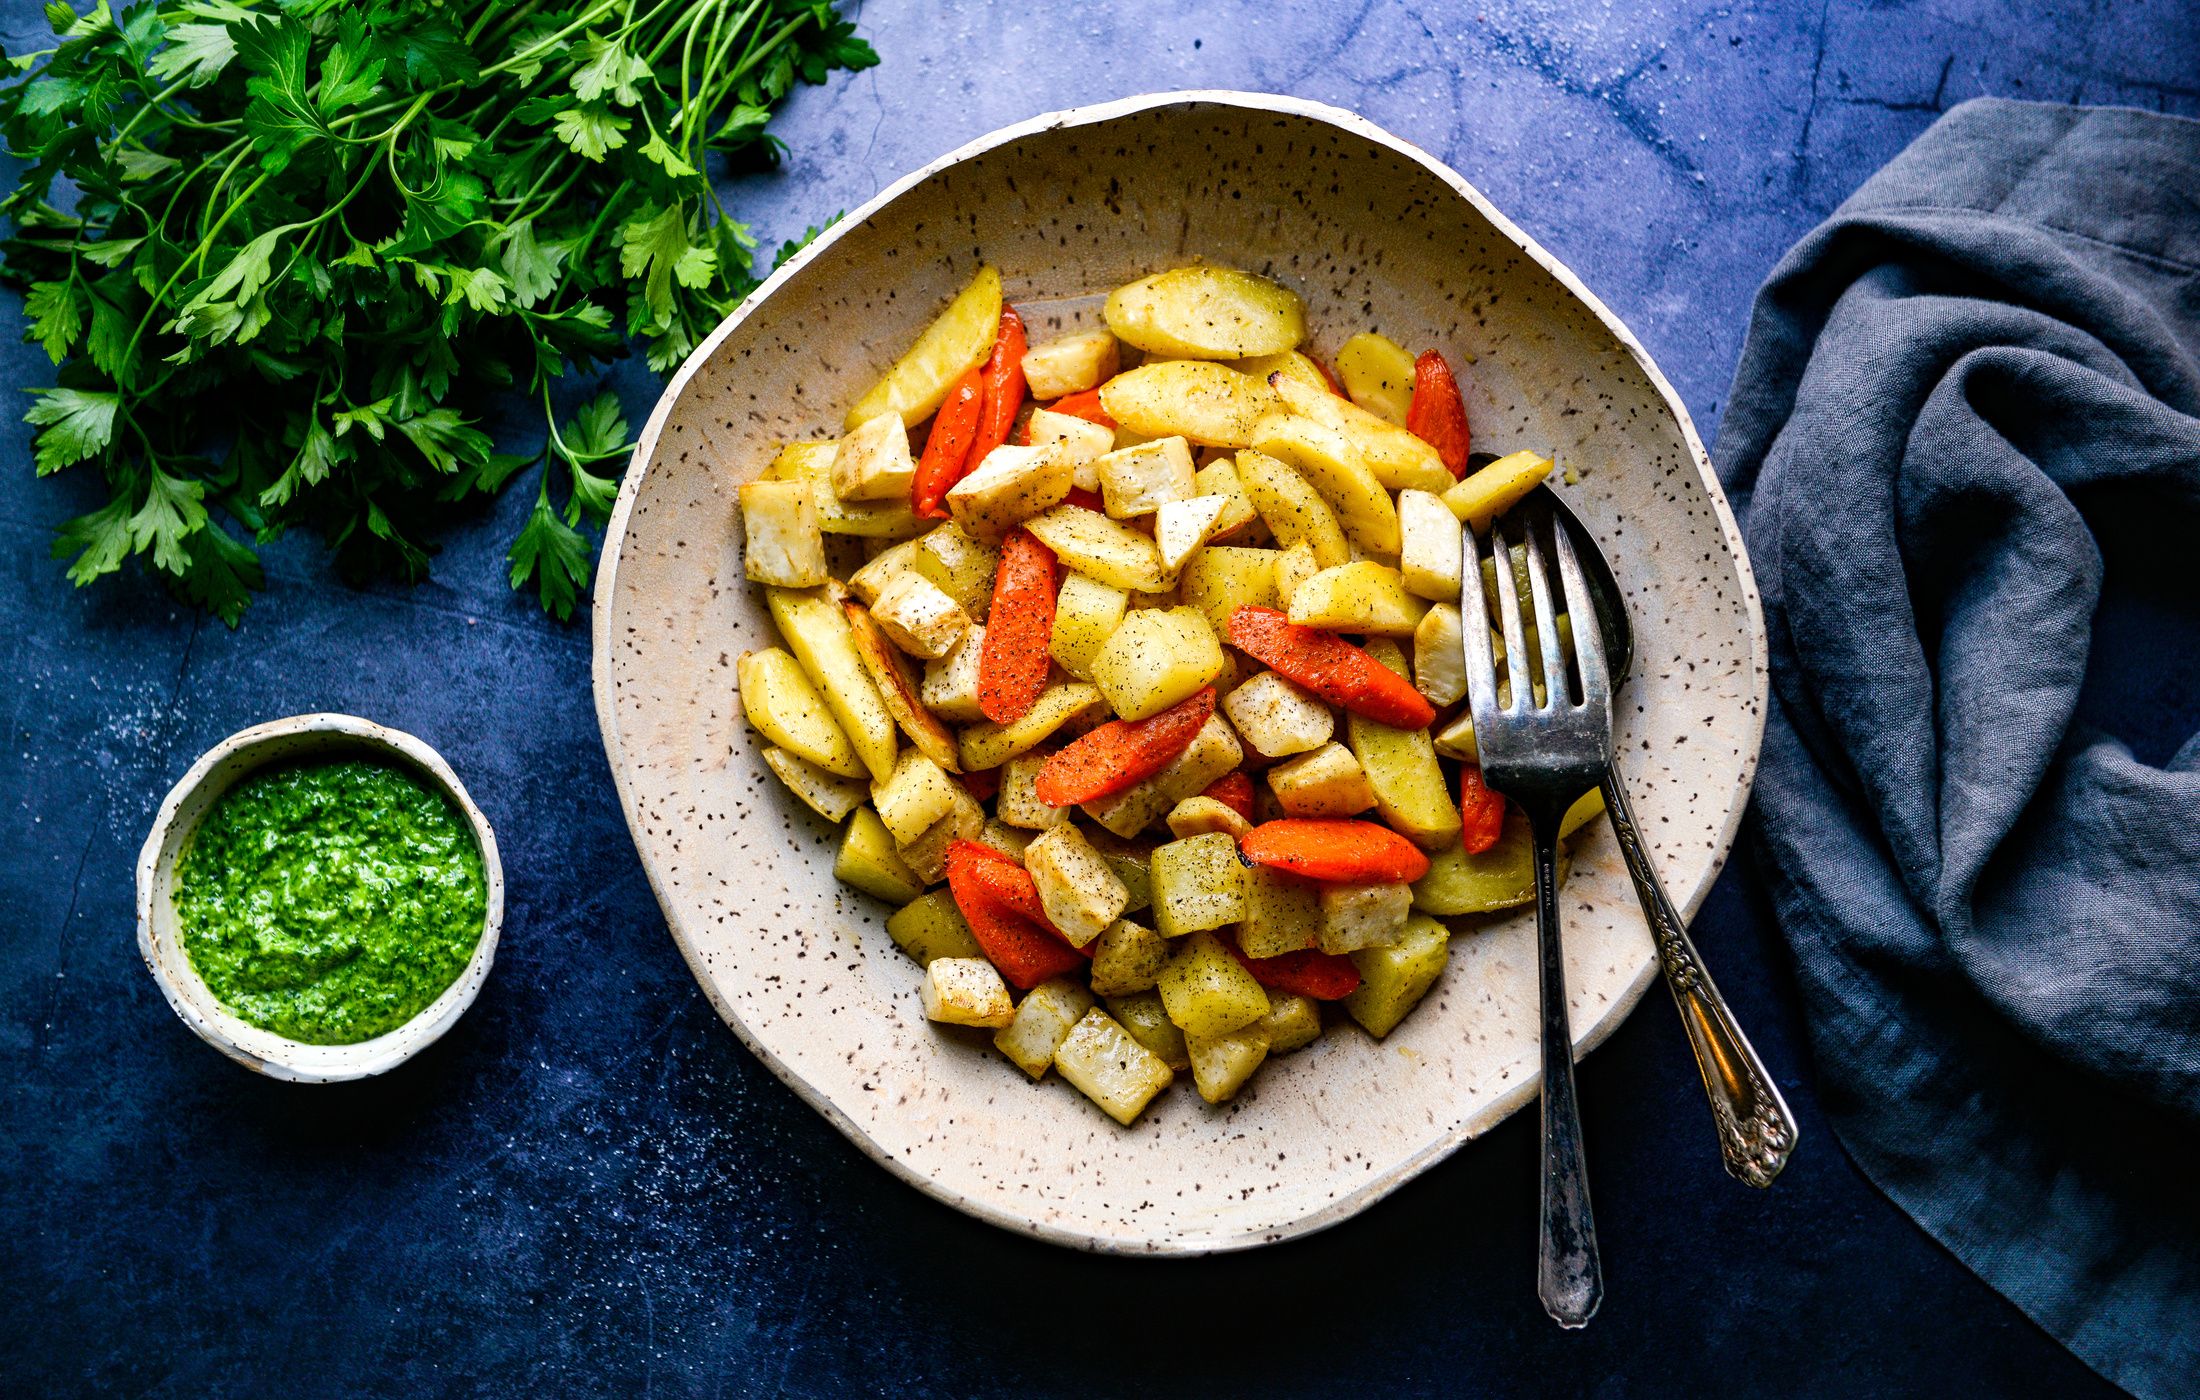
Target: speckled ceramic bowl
{"points": [[320, 736], [1374, 234]]}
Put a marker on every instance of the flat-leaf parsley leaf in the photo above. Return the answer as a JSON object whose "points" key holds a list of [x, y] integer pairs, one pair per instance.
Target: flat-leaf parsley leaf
{"points": [[282, 254]]}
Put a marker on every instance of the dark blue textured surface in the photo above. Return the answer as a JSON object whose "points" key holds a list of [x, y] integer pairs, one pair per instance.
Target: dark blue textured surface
{"points": [[589, 1187]]}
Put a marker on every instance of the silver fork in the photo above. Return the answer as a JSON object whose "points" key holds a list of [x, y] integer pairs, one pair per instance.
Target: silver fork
{"points": [[1543, 757]]}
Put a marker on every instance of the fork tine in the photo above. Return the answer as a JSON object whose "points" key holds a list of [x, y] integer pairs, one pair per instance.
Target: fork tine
{"points": [[1558, 690], [1596, 684], [1508, 612], [1475, 627]]}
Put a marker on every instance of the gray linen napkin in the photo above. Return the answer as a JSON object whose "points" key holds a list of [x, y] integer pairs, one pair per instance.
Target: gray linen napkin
{"points": [[1980, 374]]}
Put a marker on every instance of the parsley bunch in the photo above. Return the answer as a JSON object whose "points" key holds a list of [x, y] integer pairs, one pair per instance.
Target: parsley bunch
{"points": [[283, 252]]}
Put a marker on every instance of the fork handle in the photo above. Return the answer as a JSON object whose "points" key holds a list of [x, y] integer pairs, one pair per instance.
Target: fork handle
{"points": [[1756, 1131], [1568, 1277]]}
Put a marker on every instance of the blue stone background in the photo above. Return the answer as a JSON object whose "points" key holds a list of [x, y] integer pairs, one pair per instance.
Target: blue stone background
{"points": [[589, 1187]]}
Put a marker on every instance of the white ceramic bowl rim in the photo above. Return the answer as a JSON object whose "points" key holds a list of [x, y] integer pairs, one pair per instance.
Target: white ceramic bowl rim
{"points": [[254, 1047], [646, 447]]}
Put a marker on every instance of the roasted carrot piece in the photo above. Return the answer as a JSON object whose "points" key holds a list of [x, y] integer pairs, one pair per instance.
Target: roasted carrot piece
{"points": [[1121, 753], [1308, 972], [983, 785], [947, 458], [1088, 500], [1004, 386], [1012, 670], [1234, 791], [1482, 810], [995, 895], [1326, 848], [1329, 666], [1436, 415], [1084, 404]]}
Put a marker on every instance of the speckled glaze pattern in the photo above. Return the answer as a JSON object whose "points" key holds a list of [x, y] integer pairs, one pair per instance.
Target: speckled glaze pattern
{"points": [[160, 939], [1374, 234]]}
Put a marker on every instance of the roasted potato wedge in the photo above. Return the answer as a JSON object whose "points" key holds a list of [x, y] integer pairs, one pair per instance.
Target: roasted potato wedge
{"points": [[949, 348], [1206, 313], [1207, 403]]}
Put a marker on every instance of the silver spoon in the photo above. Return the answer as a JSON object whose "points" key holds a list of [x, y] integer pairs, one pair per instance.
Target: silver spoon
{"points": [[1756, 1132]]}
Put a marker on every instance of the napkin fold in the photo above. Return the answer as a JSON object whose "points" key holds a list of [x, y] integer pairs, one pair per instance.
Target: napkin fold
{"points": [[1963, 398]]}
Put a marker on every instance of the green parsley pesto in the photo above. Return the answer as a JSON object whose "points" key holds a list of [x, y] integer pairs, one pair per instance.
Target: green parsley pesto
{"points": [[330, 902]]}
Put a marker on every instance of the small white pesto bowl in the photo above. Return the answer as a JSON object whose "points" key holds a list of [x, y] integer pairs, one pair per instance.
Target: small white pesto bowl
{"points": [[160, 939]]}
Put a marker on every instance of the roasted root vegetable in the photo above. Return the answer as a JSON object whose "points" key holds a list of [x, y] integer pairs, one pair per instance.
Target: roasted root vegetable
{"points": [[1396, 457], [870, 862], [1139, 480], [1156, 658], [920, 619], [1440, 659], [1213, 751], [1401, 767], [1330, 667], [1002, 906], [1207, 313], [1008, 486], [1378, 375], [959, 565], [816, 631], [1324, 782], [989, 745], [1142, 602], [1292, 509], [1481, 811], [1147, 1021], [1127, 958], [947, 451], [1181, 527], [1307, 973], [1197, 884], [1430, 547], [1070, 364], [1101, 549], [1363, 597], [1501, 877], [779, 699], [958, 342], [1283, 913], [1363, 916], [1207, 991], [966, 992], [1220, 579], [1042, 1022], [1012, 669], [1293, 1021], [1076, 886], [829, 795], [1497, 488], [873, 463], [1221, 1064], [1200, 816], [1437, 415], [1123, 753], [811, 463], [1107, 1066], [1393, 979], [930, 926], [1348, 852], [1331, 465], [782, 543], [1211, 404], [1004, 386]]}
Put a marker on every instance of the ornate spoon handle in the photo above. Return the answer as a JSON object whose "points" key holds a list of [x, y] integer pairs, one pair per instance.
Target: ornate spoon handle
{"points": [[1756, 1131]]}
